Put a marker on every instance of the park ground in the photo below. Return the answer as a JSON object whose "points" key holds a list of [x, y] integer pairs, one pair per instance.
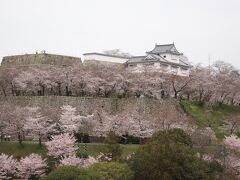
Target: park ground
{"points": [[92, 149]]}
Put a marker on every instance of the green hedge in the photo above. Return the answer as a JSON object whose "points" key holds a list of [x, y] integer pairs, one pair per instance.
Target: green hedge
{"points": [[68, 173], [111, 171]]}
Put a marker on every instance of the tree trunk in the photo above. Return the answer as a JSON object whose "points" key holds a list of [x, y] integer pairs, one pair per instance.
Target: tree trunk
{"points": [[19, 138], [43, 90], [1, 137], [4, 91], [175, 94], [39, 139], [67, 92], [13, 92], [59, 89]]}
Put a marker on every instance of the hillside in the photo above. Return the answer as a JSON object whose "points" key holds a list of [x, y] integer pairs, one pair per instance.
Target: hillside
{"points": [[219, 117], [168, 112], [137, 116]]}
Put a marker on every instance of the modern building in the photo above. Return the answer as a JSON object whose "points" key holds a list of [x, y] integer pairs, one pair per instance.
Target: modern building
{"points": [[105, 57], [164, 58]]}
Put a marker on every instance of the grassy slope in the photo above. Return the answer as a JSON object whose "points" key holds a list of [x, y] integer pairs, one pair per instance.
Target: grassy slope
{"points": [[213, 117], [17, 150]]}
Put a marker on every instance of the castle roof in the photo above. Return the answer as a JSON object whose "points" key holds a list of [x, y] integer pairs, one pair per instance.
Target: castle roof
{"points": [[164, 48]]}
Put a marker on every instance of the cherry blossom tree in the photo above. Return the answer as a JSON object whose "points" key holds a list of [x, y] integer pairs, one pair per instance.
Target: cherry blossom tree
{"points": [[233, 122], [178, 83], [79, 162], [233, 142], [117, 52], [61, 145], [234, 165], [133, 122], [16, 123], [31, 166], [102, 123], [36, 124], [71, 161], [69, 120], [8, 168], [166, 116]]}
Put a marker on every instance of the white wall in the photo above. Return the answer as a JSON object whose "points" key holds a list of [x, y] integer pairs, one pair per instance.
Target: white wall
{"points": [[160, 68], [104, 58], [171, 57]]}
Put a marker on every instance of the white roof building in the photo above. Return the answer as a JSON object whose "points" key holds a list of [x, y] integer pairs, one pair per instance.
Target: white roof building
{"points": [[163, 58], [105, 57]]}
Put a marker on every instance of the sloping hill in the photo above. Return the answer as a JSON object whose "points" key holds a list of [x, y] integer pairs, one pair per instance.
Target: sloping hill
{"points": [[216, 117]]}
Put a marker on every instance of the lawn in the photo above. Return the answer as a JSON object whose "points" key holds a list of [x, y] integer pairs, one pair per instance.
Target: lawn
{"points": [[210, 116], [92, 149], [18, 150]]}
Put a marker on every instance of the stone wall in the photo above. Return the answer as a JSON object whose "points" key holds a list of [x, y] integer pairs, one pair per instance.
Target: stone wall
{"points": [[84, 105], [42, 58]]}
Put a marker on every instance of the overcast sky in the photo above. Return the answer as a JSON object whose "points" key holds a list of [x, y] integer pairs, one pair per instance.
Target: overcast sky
{"points": [[74, 27]]}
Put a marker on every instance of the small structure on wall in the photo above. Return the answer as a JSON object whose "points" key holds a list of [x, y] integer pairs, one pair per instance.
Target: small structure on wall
{"points": [[164, 58]]}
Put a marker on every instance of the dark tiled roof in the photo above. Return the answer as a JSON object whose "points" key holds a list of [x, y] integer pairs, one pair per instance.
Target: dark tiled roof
{"points": [[162, 48], [136, 59]]}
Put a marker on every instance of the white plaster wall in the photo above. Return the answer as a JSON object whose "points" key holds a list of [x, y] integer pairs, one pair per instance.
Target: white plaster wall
{"points": [[139, 68], [171, 57], [104, 58]]}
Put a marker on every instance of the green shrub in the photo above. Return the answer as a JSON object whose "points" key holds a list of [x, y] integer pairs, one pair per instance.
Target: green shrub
{"points": [[170, 155], [111, 171], [68, 173], [172, 135], [238, 134], [112, 147]]}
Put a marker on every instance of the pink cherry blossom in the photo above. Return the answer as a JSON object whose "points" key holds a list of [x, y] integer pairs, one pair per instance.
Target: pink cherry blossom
{"points": [[233, 142], [79, 162], [7, 166], [32, 165], [61, 145]]}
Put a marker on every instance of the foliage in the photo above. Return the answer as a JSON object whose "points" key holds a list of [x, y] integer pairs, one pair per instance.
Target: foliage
{"points": [[68, 173], [207, 116], [238, 134], [169, 155], [111, 171], [112, 147], [172, 135]]}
